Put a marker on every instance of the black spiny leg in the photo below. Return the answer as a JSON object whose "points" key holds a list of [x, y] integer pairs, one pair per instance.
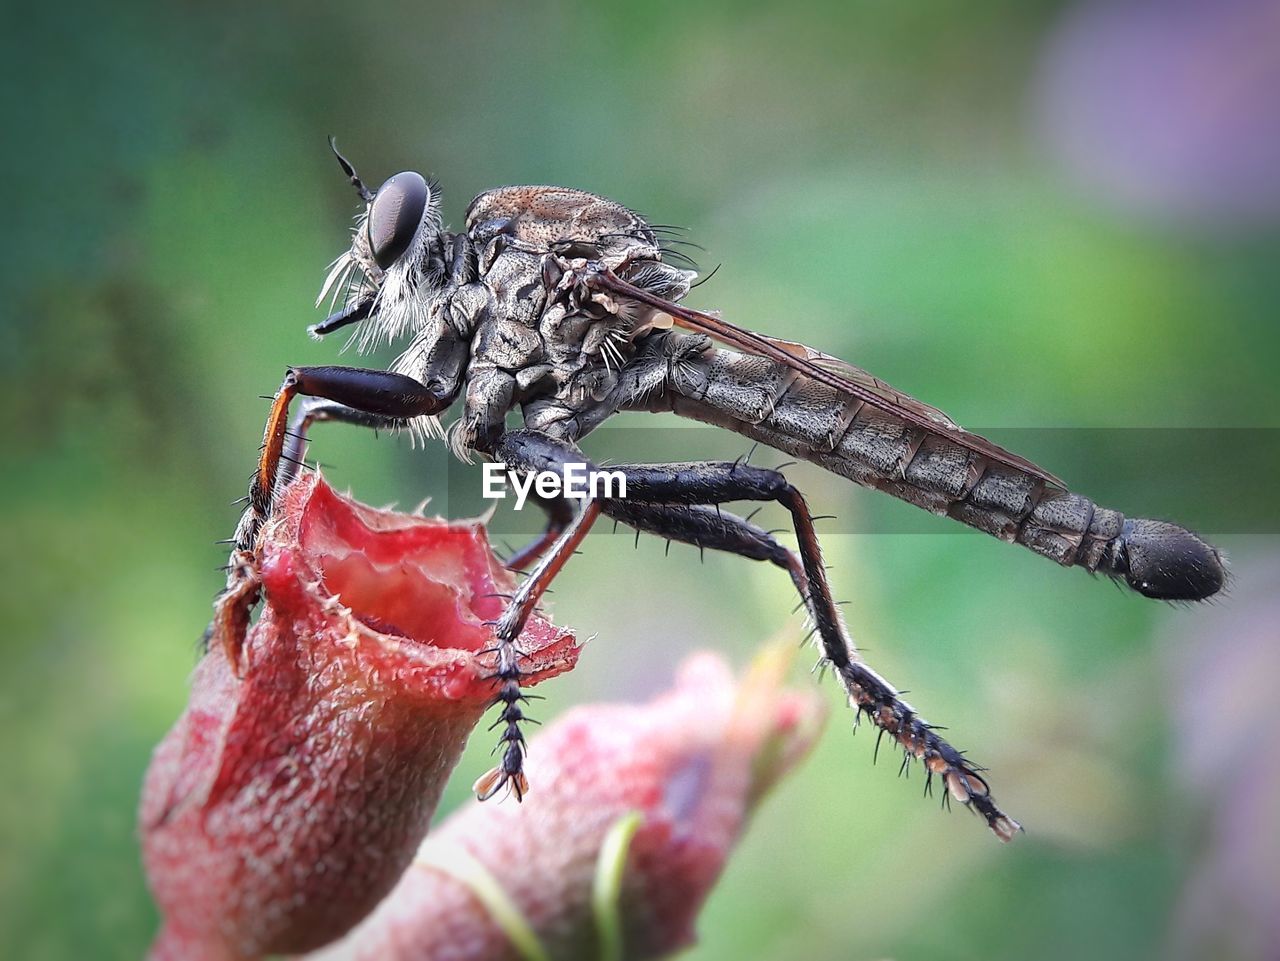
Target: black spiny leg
{"points": [[709, 528], [872, 695], [506, 631], [700, 526], [696, 484]]}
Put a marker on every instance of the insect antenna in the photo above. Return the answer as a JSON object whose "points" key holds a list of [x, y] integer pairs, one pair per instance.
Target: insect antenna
{"points": [[365, 193]]}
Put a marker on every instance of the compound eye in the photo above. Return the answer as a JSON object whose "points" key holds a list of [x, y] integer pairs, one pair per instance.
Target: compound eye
{"points": [[397, 212]]}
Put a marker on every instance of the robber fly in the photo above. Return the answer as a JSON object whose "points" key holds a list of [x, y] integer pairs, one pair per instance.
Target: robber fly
{"points": [[566, 306]]}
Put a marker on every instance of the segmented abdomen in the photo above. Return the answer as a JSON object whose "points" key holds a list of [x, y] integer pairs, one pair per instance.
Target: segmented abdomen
{"points": [[764, 400]]}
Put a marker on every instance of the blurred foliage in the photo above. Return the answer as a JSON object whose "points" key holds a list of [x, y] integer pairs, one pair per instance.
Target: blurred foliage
{"points": [[871, 179]]}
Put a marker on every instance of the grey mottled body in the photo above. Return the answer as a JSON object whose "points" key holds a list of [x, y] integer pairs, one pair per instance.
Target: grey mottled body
{"points": [[780, 408], [510, 329], [491, 330], [557, 304]]}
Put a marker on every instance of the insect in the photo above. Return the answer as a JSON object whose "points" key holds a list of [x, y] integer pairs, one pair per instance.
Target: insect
{"points": [[567, 307]]}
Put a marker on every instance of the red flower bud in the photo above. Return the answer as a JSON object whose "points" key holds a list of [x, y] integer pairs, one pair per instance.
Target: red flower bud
{"points": [[554, 877], [292, 793]]}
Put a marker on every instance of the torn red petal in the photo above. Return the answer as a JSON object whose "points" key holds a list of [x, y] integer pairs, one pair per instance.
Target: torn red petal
{"points": [[294, 790]]}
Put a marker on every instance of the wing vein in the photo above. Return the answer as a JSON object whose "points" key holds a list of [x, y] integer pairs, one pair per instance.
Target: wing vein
{"points": [[802, 359]]}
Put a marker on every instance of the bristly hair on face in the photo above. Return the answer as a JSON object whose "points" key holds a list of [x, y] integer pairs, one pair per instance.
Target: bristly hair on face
{"points": [[402, 296], [401, 292]]}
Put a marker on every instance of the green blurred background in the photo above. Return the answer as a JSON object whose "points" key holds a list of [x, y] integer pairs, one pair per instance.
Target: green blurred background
{"points": [[1034, 215]]}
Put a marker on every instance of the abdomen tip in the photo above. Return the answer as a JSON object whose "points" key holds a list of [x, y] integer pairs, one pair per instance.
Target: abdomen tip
{"points": [[1168, 562]]}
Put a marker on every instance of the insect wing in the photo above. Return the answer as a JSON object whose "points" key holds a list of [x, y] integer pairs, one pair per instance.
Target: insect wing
{"points": [[828, 370]]}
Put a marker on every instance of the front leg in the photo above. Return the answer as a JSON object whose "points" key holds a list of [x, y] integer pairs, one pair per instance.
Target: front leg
{"points": [[370, 396], [380, 394]]}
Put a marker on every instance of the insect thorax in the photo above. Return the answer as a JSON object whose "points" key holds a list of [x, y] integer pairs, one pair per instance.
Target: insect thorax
{"points": [[552, 352]]}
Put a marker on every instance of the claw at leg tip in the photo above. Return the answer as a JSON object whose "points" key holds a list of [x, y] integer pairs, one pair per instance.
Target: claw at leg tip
{"points": [[493, 780], [487, 784]]}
